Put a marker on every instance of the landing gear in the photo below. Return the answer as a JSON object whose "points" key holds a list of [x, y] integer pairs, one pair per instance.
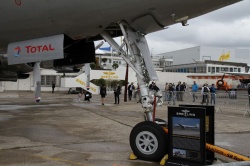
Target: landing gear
{"points": [[148, 141], [140, 61]]}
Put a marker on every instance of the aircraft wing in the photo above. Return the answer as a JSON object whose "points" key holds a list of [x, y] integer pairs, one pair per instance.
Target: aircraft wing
{"points": [[24, 20]]}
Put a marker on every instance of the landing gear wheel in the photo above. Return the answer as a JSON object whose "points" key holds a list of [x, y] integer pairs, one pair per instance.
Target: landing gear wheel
{"points": [[149, 141]]}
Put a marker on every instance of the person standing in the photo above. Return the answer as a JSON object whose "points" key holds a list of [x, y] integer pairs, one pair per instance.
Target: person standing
{"points": [[79, 97], [195, 90], [213, 94], [53, 86], [178, 91], [166, 92], [136, 92], [103, 93], [171, 91], [204, 91], [117, 93], [182, 90], [131, 87]]}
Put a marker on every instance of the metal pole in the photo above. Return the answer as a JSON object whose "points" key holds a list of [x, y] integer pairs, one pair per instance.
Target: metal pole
{"points": [[126, 84]]}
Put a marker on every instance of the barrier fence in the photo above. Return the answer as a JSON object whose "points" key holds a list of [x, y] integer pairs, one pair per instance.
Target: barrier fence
{"points": [[237, 102]]}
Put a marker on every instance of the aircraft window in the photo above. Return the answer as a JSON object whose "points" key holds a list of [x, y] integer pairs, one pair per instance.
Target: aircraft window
{"points": [[224, 69], [46, 80], [213, 69], [217, 69], [239, 70], [202, 70], [231, 69]]}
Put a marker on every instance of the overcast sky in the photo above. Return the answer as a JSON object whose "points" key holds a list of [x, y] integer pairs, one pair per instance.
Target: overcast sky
{"points": [[226, 27]]}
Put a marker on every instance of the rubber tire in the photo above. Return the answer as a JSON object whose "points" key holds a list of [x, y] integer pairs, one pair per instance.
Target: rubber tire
{"points": [[153, 129]]}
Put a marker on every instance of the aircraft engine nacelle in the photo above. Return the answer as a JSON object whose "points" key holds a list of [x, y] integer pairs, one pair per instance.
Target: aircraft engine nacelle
{"points": [[22, 76], [245, 81], [12, 76], [67, 70], [220, 83], [76, 52]]}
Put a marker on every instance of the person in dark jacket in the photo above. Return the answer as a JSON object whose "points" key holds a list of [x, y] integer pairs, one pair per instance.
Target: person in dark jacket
{"points": [[212, 94], [53, 87], [103, 93], [87, 96], [131, 87], [178, 91], [117, 92]]}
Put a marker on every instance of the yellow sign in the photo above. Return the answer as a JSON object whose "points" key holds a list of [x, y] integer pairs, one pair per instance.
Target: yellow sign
{"points": [[84, 84], [224, 57], [109, 75]]}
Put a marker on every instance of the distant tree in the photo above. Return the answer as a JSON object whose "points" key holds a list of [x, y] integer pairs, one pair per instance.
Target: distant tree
{"points": [[115, 66], [101, 81], [113, 84], [123, 82], [104, 60]]}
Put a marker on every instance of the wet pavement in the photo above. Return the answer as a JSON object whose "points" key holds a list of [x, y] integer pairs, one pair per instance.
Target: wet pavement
{"points": [[61, 131]]}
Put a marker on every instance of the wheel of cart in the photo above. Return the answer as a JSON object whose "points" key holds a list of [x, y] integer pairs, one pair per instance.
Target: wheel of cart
{"points": [[149, 141]]}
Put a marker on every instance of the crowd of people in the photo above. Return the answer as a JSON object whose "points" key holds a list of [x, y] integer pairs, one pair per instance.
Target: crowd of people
{"points": [[133, 92], [173, 92], [176, 92]]}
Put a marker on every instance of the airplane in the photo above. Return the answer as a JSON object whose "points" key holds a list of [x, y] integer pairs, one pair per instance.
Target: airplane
{"points": [[62, 33], [182, 126], [221, 83], [178, 153]]}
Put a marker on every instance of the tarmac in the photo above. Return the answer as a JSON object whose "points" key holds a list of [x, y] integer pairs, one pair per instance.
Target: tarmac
{"points": [[59, 130]]}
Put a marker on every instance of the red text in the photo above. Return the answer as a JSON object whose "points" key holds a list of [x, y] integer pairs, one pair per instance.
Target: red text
{"points": [[38, 49]]}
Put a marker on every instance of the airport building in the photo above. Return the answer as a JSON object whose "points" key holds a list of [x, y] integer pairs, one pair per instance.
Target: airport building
{"points": [[208, 60], [170, 67]]}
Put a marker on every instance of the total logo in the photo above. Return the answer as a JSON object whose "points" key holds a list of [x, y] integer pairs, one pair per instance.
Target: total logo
{"points": [[29, 49], [38, 49], [17, 51]]}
